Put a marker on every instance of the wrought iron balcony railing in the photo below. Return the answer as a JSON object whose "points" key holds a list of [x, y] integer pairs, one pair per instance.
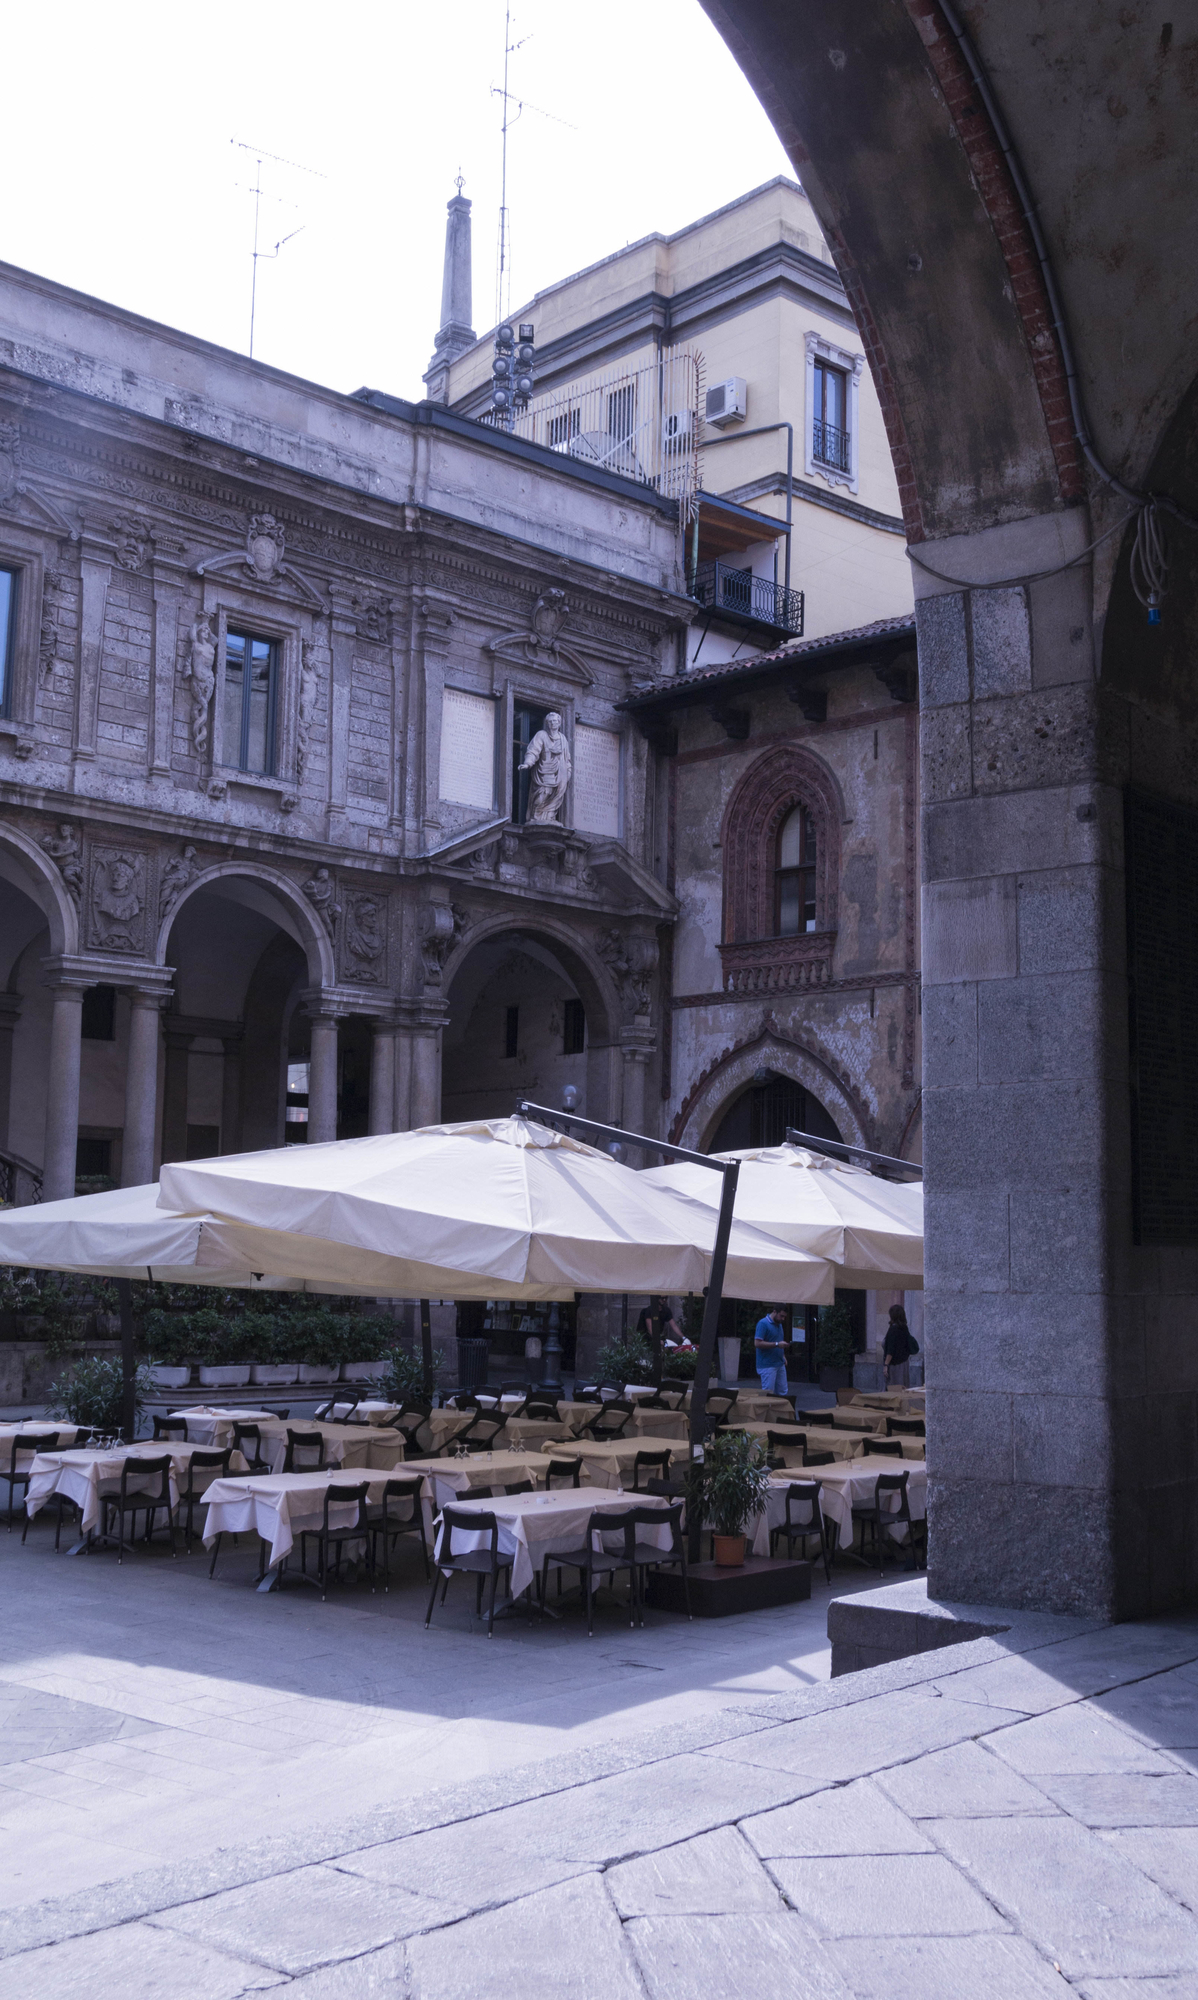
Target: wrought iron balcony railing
{"points": [[723, 588], [830, 446]]}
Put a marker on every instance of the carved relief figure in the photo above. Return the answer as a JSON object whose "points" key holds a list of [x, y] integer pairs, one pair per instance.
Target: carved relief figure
{"points": [[132, 541], [10, 445], [309, 687], [47, 647], [364, 936], [548, 758], [176, 876], [549, 614], [117, 900], [200, 670], [264, 547], [321, 891], [65, 848], [633, 961]]}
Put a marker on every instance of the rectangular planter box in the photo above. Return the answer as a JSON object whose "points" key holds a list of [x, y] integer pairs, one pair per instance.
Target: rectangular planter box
{"points": [[225, 1378], [363, 1371], [274, 1371], [760, 1583], [310, 1372], [170, 1378]]}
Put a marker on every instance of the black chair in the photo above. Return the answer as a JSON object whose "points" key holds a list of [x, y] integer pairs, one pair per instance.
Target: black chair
{"points": [[323, 1413], [881, 1515], [720, 1404], [822, 1419], [327, 1537], [781, 1441], [819, 1458], [913, 1427], [651, 1459], [610, 1423], [216, 1465], [537, 1410], [170, 1427], [513, 1388], [566, 1470], [463, 1399], [876, 1447], [481, 1432], [25, 1444], [803, 1494], [676, 1386], [518, 1486], [647, 1556], [249, 1434], [654, 1402], [408, 1423], [304, 1442], [478, 1563], [125, 1499], [399, 1512], [592, 1562], [282, 1416]]}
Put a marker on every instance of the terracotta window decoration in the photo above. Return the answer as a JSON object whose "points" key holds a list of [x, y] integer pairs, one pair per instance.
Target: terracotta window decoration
{"points": [[781, 846]]}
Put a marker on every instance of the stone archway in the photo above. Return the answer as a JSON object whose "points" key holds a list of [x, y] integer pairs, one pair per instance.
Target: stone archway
{"points": [[276, 895], [733, 1073]]}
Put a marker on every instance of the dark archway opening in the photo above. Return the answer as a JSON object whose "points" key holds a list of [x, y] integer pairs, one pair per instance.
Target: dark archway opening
{"points": [[762, 1115]]}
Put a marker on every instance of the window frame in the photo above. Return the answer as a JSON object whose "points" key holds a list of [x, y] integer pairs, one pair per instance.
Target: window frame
{"points": [[8, 641], [574, 1026], [850, 366], [806, 871], [252, 638]]}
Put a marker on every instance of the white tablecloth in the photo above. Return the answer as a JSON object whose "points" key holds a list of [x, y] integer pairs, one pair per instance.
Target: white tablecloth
{"points": [[614, 1464], [277, 1506], [845, 1444], [652, 1424], [532, 1523], [79, 1475], [65, 1435], [842, 1487], [361, 1445]]}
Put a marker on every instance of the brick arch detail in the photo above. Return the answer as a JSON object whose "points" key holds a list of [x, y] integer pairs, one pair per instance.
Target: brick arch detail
{"points": [[833, 1083]]}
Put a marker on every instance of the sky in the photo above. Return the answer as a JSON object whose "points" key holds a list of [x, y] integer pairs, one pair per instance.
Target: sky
{"points": [[125, 159]]}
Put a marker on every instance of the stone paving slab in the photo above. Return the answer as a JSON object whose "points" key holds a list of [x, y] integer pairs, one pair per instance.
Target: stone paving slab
{"points": [[879, 1836]]}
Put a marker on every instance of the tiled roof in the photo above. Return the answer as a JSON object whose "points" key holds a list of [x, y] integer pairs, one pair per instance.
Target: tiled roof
{"points": [[807, 651]]}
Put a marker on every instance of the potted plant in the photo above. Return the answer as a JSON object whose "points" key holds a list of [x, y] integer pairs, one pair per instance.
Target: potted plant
{"points": [[365, 1335], [836, 1349], [272, 1339], [169, 1343], [734, 1484], [94, 1393], [320, 1347], [217, 1344], [402, 1380]]}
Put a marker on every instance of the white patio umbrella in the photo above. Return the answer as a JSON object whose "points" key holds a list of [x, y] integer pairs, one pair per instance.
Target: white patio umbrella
{"points": [[498, 1208], [871, 1229]]}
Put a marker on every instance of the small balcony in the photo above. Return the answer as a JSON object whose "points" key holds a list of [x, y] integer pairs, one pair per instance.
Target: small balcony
{"points": [[830, 446], [740, 594]]}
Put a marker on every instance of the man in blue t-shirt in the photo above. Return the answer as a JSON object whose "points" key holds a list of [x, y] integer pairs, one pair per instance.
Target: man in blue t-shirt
{"points": [[771, 1351]]}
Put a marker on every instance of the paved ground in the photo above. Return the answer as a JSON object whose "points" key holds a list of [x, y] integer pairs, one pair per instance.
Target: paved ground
{"points": [[1014, 1818]]}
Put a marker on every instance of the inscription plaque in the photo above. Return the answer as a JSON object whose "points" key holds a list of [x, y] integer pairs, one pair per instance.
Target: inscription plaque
{"points": [[596, 780], [467, 749]]}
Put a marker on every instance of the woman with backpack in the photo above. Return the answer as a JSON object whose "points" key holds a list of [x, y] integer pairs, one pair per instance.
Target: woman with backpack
{"points": [[897, 1348]]}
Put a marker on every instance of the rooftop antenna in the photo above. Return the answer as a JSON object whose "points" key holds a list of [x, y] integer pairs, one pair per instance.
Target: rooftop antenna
{"points": [[503, 278], [261, 154]]}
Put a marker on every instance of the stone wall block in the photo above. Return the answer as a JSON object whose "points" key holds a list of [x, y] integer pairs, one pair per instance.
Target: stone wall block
{"points": [[967, 1246], [1023, 1344], [943, 650], [1062, 1441], [1010, 835], [969, 930], [970, 1429], [1170, 1336], [1056, 1547], [1002, 643], [1060, 914], [1040, 1027], [1062, 645], [1058, 1239], [1042, 739], [945, 752], [1034, 1134], [950, 1033]]}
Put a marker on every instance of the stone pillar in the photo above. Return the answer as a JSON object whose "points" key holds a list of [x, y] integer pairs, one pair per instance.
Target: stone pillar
{"points": [[174, 1092], [426, 1077], [637, 1045], [230, 1095], [141, 1089], [322, 1075], [10, 1010], [403, 1081], [62, 1090], [382, 1076]]}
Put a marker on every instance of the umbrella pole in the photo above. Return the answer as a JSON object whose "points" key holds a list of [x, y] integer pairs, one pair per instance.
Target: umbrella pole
{"points": [[124, 1292], [707, 1338], [426, 1348]]}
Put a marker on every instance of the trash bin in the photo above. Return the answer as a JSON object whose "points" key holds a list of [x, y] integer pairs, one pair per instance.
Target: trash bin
{"points": [[729, 1359], [474, 1355]]}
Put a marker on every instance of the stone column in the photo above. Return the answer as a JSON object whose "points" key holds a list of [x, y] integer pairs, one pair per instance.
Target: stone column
{"points": [[382, 1076], [637, 1045], [141, 1089], [174, 1092], [10, 1009], [62, 1090], [230, 1095], [322, 1074], [426, 1078]]}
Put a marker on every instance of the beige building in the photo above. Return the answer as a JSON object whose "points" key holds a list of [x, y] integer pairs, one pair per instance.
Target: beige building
{"points": [[750, 290]]}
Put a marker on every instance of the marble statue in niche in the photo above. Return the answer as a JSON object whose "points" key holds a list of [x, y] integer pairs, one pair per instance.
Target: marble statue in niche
{"points": [[548, 758]]}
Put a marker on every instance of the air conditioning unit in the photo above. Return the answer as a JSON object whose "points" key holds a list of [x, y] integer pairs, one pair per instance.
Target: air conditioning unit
{"points": [[678, 430], [727, 402]]}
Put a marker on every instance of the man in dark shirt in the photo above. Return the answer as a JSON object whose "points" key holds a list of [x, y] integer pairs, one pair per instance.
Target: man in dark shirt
{"points": [[771, 1349]]}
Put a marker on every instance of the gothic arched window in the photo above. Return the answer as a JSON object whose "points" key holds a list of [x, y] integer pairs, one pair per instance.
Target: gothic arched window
{"points": [[794, 875], [781, 842]]}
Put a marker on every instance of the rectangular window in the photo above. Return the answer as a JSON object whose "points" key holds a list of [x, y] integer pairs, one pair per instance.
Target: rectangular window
{"points": [[621, 412], [563, 428], [795, 877], [574, 1029], [251, 674], [8, 628], [829, 420], [511, 1032], [526, 721], [99, 1017]]}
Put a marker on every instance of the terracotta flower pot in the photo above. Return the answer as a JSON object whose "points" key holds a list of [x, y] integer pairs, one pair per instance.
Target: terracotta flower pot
{"points": [[729, 1551]]}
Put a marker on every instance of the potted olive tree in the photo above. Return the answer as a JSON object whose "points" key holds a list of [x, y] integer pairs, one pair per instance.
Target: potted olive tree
{"points": [[734, 1483]]}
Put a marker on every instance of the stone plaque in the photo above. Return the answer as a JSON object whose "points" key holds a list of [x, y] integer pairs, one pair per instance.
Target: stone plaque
{"points": [[596, 780], [467, 749]]}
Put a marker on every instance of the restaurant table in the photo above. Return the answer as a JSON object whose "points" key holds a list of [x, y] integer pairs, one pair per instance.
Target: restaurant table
{"points": [[80, 1475], [894, 1402], [526, 1433], [530, 1524], [609, 1464], [845, 1444], [842, 1487], [356, 1445], [444, 1478], [659, 1424], [277, 1506], [35, 1427]]}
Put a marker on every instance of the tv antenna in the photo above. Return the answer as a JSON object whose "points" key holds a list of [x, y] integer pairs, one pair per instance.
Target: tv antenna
{"points": [[503, 275], [259, 154]]}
